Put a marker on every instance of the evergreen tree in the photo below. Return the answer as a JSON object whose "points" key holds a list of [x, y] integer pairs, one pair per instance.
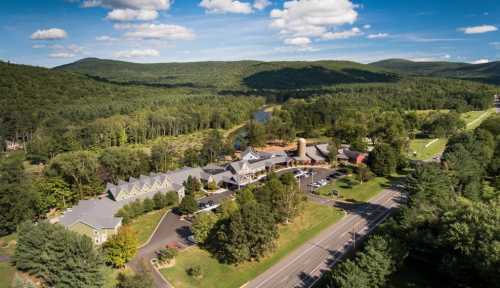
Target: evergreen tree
{"points": [[59, 257], [383, 160], [188, 205]]}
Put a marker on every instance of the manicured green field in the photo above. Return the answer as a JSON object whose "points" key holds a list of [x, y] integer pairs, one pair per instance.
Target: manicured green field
{"points": [[419, 151], [314, 219], [474, 118], [146, 224], [350, 190]]}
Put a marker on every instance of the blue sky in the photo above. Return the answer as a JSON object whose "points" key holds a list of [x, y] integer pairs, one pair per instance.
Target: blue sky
{"points": [[54, 32]]}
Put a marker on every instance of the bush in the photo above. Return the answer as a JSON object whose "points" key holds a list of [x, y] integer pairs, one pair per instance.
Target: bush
{"points": [[166, 255], [195, 271], [148, 205]]}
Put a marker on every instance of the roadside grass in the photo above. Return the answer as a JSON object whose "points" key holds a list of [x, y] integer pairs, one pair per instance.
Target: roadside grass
{"points": [[145, 225], [350, 190], [7, 273], [313, 220], [7, 270]]}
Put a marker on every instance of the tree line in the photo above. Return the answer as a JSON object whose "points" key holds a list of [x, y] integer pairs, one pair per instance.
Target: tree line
{"points": [[246, 229], [450, 223]]}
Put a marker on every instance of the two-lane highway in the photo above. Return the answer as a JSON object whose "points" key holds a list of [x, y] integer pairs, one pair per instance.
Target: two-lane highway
{"points": [[304, 266]]}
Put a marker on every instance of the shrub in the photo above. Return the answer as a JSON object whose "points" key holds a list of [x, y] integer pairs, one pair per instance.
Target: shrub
{"points": [[195, 271], [166, 255]]}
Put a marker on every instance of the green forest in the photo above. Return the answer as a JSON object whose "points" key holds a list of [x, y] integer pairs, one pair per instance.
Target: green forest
{"points": [[96, 121]]}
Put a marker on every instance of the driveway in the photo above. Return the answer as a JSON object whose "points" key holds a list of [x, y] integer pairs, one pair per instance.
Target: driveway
{"points": [[170, 229]]}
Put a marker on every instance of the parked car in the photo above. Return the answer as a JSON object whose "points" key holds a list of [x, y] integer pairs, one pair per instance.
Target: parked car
{"points": [[298, 173], [191, 239]]}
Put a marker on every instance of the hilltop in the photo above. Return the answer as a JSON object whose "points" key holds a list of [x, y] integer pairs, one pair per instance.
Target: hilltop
{"points": [[488, 72], [232, 75]]}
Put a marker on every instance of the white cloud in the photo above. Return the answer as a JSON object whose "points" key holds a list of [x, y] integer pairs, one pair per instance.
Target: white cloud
{"points": [[447, 56], [132, 15], [136, 53], [367, 26], [481, 61], [479, 29], [38, 46], [75, 48], [129, 4], [299, 41], [62, 55], [156, 31], [377, 36], [226, 6], [105, 38], [315, 19], [342, 34], [495, 44], [49, 34], [261, 4]]}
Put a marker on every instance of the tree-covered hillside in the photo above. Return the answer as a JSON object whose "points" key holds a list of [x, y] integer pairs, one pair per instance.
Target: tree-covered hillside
{"points": [[488, 72], [59, 111], [232, 75]]}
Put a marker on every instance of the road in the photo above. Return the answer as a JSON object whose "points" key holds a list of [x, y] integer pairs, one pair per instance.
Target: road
{"points": [[304, 266], [497, 103], [171, 229]]}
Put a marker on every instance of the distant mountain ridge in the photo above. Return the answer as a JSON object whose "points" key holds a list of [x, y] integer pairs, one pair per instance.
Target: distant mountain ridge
{"points": [[233, 75], [487, 72]]}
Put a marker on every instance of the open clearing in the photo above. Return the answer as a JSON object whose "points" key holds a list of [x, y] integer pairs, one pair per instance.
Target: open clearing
{"points": [[314, 219], [350, 190]]}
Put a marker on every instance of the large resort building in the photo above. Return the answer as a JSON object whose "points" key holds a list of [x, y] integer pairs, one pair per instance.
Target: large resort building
{"points": [[96, 217]]}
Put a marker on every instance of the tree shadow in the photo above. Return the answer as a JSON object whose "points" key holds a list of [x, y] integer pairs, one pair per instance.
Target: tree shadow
{"points": [[184, 232], [313, 76]]}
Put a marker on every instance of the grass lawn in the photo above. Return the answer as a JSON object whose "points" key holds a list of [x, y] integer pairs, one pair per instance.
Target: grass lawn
{"points": [[474, 118], [360, 192], [146, 224], [7, 271], [426, 153], [314, 219]]}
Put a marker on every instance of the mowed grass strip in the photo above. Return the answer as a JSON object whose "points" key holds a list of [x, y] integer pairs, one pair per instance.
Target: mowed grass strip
{"points": [[145, 225], [313, 220], [349, 190], [474, 118]]}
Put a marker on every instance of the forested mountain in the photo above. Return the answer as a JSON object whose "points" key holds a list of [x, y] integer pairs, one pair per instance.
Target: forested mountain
{"points": [[232, 75], [488, 72], [57, 111]]}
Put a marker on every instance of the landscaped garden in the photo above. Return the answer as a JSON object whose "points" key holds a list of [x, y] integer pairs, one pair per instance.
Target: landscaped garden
{"points": [[314, 219]]}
